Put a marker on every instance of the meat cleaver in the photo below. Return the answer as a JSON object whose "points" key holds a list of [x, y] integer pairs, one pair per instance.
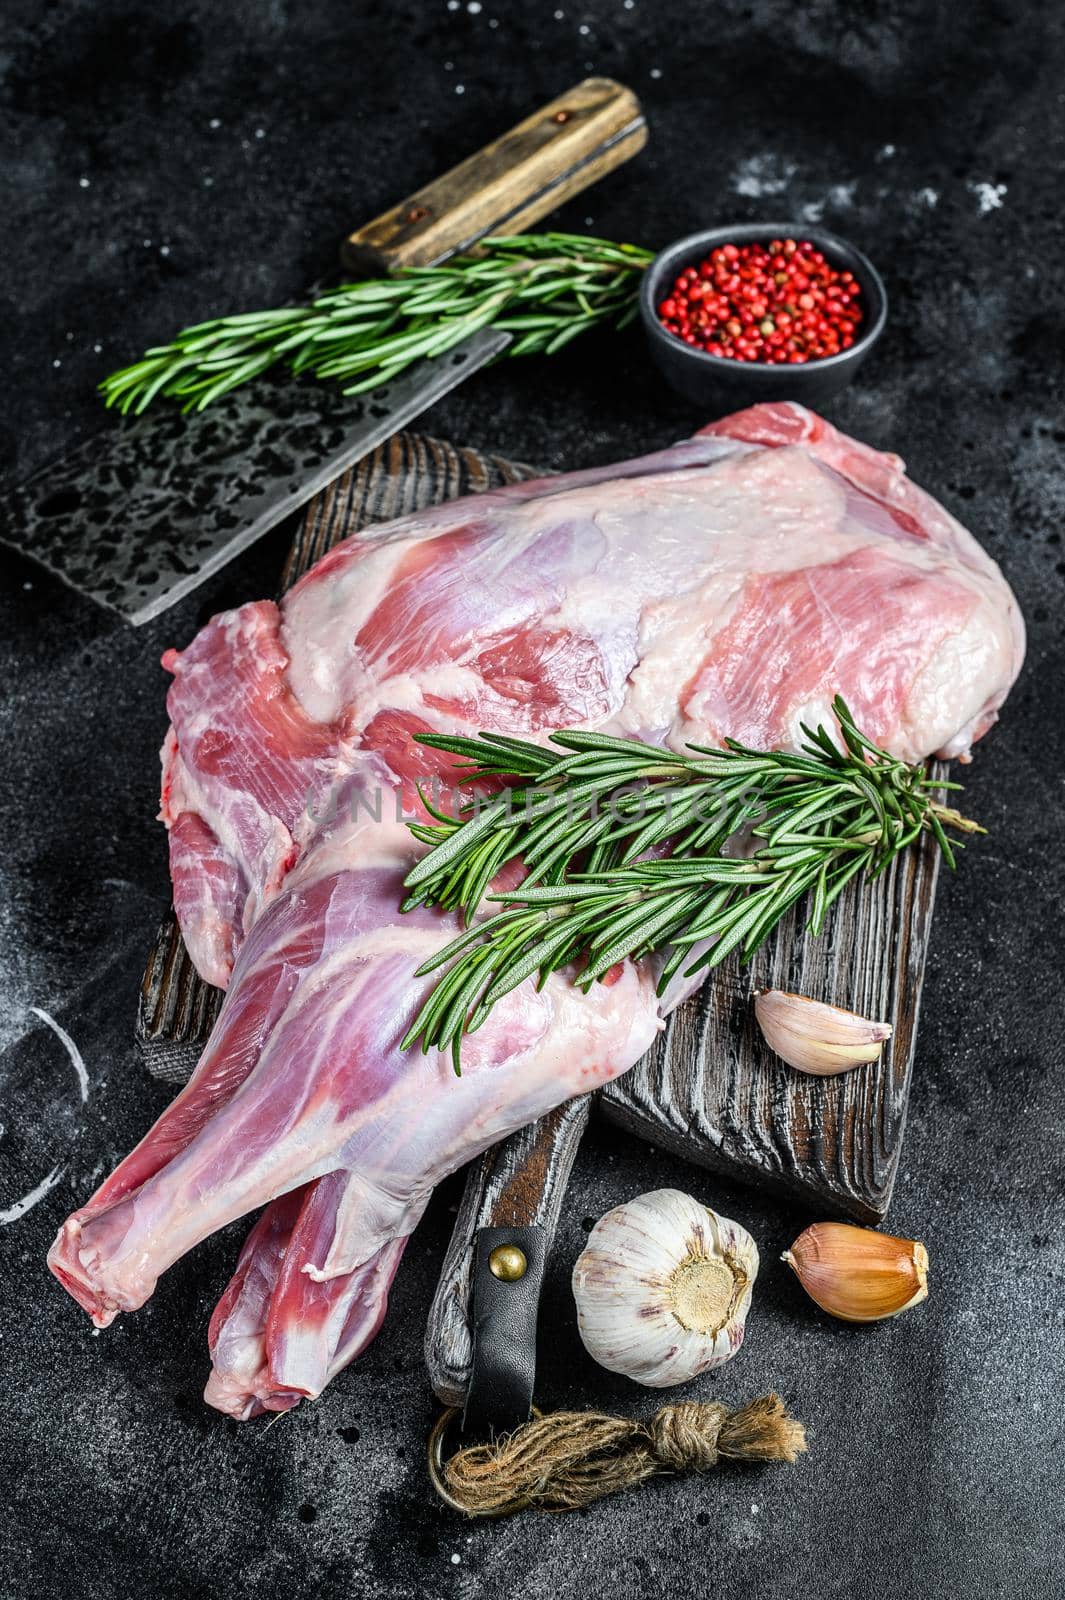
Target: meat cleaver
{"points": [[139, 515]]}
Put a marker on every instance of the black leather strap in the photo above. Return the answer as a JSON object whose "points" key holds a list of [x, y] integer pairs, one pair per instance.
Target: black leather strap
{"points": [[504, 1333]]}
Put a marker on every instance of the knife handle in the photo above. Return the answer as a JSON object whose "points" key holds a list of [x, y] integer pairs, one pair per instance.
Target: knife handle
{"points": [[510, 184], [518, 1183]]}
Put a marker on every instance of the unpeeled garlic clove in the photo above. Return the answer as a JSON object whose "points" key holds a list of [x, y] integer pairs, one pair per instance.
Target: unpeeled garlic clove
{"points": [[663, 1288], [857, 1274], [814, 1037]]}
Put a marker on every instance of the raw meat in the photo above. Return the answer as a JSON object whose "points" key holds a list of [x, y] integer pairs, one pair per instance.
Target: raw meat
{"points": [[303, 1075], [277, 1334], [729, 585]]}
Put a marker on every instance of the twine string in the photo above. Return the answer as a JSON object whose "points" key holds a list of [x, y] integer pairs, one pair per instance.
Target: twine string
{"points": [[570, 1459]]}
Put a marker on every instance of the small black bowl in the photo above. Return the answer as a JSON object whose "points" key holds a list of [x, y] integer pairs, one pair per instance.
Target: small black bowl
{"points": [[719, 384]]}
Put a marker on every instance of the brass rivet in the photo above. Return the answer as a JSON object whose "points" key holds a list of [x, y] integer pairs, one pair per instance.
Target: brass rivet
{"points": [[507, 1262], [416, 214], [562, 116]]}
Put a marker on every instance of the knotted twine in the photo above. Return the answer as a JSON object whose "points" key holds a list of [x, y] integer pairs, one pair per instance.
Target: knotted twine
{"points": [[568, 1459]]}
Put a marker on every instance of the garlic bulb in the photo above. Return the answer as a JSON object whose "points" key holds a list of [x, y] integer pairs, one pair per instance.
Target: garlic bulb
{"points": [[663, 1288], [857, 1274], [814, 1037]]}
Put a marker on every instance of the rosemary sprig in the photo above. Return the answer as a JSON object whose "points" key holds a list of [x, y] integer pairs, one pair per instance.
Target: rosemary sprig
{"points": [[584, 823], [545, 288]]}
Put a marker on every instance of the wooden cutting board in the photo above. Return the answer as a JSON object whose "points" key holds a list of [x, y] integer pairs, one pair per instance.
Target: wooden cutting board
{"points": [[710, 1090]]}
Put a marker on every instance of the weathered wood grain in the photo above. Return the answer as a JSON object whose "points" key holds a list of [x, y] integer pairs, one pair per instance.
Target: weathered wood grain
{"points": [[177, 1010], [713, 1091], [510, 184]]}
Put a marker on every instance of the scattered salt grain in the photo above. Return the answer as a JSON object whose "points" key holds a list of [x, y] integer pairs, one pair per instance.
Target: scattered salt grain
{"points": [[760, 175], [989, 196]]}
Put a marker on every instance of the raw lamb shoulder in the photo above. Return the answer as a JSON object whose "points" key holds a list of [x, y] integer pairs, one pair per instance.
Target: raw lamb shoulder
{"points": [[730, 585]]}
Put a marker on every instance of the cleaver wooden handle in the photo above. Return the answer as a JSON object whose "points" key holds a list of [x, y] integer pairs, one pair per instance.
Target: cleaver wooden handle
{"points": [[518, 1183], [511, 183]]}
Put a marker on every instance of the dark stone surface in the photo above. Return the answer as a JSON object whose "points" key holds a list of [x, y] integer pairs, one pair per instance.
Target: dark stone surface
{"points": [[168, 162]]}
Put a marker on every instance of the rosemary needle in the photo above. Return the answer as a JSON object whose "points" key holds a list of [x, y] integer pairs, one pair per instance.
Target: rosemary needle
{"points": [[625, 850], [545, 288]]}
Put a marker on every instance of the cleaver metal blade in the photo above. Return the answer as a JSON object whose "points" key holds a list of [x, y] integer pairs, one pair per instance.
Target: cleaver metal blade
{"points": [[138, 517]]}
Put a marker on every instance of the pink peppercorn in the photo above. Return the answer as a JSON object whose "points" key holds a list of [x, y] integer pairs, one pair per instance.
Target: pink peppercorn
{"points": [[775, 302]]}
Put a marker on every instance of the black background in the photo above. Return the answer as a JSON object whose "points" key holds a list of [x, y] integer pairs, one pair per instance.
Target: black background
{"points": [[166, 162]]}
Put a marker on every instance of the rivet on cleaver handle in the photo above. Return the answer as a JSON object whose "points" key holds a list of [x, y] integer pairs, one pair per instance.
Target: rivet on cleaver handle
{"points": [[141, 516], [510, 184], [518, 1183]]}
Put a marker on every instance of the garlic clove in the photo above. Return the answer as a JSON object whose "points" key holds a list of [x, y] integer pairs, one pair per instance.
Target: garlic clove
{"points": [[663, 1288], [857, 1274], [814, 1037]]}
